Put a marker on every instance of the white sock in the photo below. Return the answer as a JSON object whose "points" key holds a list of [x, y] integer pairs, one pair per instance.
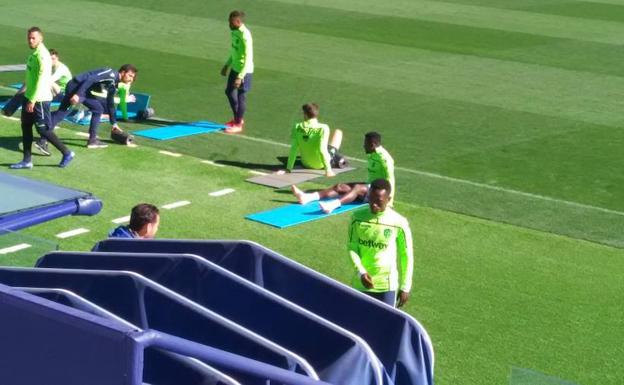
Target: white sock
{"points": [[329, 206], [309, 197]]}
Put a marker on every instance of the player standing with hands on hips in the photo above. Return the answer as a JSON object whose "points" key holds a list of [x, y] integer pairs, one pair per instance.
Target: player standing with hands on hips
{"points": [[240, 65]]}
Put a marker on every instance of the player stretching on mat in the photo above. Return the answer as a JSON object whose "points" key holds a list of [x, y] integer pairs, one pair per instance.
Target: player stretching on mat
{"points": [[311, 139], [85, 89], [241, 63], [380, 166]]}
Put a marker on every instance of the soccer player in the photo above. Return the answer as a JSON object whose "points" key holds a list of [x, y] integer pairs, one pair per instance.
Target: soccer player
{"points": [[241, 67], [86, 87], [144, 223], [311, 139], [36, 105], [380, 165], [60, 76], [380, 247]]}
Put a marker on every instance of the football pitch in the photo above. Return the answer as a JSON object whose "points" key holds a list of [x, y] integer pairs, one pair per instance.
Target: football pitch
{"points": [[504, 119]]}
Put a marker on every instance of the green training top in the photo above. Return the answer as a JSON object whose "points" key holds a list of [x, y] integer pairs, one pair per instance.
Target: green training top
{"points": [[381, 245], [61, 75], [241, 53], [381, 166], [310, 138], [39, 75]]}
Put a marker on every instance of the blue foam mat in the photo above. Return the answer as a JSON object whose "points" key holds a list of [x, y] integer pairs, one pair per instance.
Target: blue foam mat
{"points": [[295, 214], [180, 130]]}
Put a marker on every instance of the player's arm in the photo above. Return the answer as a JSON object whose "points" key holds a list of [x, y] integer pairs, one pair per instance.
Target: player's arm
{"points": [[89, 79], [31, 94], [248, 55], [406, 262], [294, 149], [110, 104], [353, 247], [123, 92]]}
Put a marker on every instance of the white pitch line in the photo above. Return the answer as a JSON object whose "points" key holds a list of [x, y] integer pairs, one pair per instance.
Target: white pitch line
{"points": [[72, 233], [175, 205], [212, 163], [83, 134], [257, 172], [15, 248], [121, 220], [222, 192], [10, 117], [170, 153], [466, 182]]}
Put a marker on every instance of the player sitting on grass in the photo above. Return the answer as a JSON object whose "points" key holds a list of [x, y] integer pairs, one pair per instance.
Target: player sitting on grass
{"points": [[380, 166], [144, 222], [86, 88], [310, 138]]}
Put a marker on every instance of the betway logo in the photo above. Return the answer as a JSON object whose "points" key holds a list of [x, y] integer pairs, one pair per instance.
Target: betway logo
{"points": [[373, 244]]}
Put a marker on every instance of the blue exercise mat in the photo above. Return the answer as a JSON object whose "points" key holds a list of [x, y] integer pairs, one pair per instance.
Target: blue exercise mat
{"points": [[295, 214], [180, 130]]}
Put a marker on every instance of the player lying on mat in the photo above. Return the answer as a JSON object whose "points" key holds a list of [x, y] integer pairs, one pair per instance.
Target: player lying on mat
{"points": [[380, 166], [310, 139]]}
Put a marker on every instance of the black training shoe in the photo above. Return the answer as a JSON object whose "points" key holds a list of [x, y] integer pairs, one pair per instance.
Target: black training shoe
{"points": [[42, 147]]}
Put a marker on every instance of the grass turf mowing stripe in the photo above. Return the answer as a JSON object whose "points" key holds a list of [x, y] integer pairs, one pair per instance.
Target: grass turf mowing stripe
{"points": [[72, 233], [462, 181], [12, 249], [457, 77]]}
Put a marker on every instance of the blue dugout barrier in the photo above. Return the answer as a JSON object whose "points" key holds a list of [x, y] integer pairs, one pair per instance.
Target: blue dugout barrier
{"points": [[327, 347], [48, 343], [399, 341], [159, 367], [151, 306]]}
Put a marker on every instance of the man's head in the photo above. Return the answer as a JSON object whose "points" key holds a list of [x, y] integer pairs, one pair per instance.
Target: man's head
{"points": [[54, 55], [372, 140], [127, 73], [310, 110], [35, 37], [236, 19], [379, 195], [144, 220]]}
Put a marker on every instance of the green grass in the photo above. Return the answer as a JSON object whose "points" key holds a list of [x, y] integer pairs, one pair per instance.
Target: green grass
{"points": [[504, 119]]}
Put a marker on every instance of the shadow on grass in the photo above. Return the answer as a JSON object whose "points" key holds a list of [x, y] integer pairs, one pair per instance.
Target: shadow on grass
{"points": [[250, 166]]}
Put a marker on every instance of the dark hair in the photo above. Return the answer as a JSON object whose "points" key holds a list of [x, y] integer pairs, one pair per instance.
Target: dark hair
{"points": [[373, 137], [310, 109], [53, 52], [381, 184], [142, 214], [35, 29], [237, 15], [128, 68]]}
